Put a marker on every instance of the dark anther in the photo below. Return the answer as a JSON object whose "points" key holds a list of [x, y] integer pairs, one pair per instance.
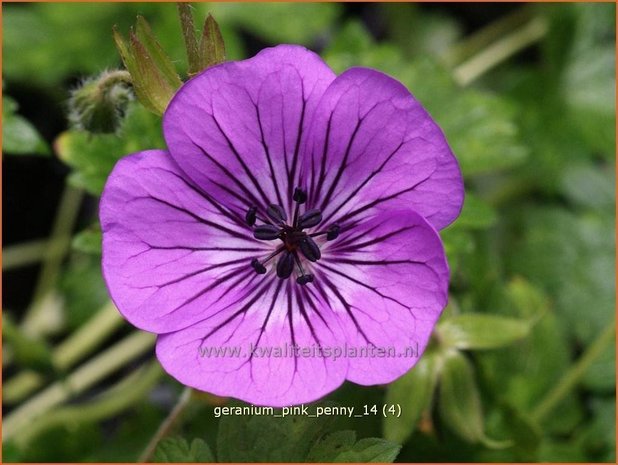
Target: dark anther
{"points": [[266, 232], [309, 219], [285, 265], [251, 216], [310, 249], [277, 213], [304, 279], [333, 232], [300, 196], [257, 266]]}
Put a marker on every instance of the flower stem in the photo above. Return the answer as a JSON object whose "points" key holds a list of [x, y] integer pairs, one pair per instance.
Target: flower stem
{"points": [[485, 36], [575, 373], [476, 66], [170, 421], [70, 351], [26, 253], [122, 395], [34, 322], [81, 379]]}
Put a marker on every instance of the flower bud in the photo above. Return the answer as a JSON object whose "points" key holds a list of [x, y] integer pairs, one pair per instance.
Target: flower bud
{"points": [[100, 103]]}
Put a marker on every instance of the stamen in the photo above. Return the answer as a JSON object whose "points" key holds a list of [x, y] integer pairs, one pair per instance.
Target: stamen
{"points": [[257, 266], [267, 232], [285, 265], [310, 249], [333, 232], [300, 196], [309, 219], [277, 213], [303, 278], [251, 216]]}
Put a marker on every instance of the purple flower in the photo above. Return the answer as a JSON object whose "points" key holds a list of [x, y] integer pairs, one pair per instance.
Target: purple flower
{"points": [[289, 228]]}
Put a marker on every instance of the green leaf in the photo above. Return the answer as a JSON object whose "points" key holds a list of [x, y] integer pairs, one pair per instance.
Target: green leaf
{"points": [[524, 372], [265, 438], [19, 136], [28, 352], [300, 23], [589, 80], [414, 392], [588, 185], [370, 450], [93, 156], [160, 58], [331, 445], [341, 446], [482, 132], [476, 214], [481, 331], [460, 400], [212, 46], [188, 33], [572, 256], [178, 450], [88, 241]]}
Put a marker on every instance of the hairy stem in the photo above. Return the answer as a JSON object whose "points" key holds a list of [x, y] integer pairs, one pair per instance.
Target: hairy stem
{"points": [[114, 400], [58, 244], [575, 373], [77, 346], [170, 421], [476, 66], [81, 379], [485, 36]]}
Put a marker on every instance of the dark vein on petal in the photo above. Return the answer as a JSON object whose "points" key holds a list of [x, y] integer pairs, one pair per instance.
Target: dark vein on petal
{"points": [[351, 261], [292, 173], [195, 273], [372, 204], [270, 310], [238, 219], [376, 240], [198, 218], [248, 193], [363, 184], [303, 313], [291, 322], [241, 161], [268, 157], [316, 190], [310, 296], [351, 239], [360, 283], [346, 306], [341, 168], [242, 310]]}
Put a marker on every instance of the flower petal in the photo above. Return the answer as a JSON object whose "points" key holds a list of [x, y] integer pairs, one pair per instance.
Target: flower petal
{"points": [[387, 280], [247, 351], [375, 148], [171, 254], [237, 128]]}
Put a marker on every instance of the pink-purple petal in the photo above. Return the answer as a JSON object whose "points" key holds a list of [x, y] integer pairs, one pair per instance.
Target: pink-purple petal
{"points": [[235, 353], [373, 147], [237, 129], [169, 251], [388, 282]]}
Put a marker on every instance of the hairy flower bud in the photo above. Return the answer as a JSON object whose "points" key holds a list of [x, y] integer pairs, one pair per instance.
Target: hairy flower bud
{"points": [[100, 103]]}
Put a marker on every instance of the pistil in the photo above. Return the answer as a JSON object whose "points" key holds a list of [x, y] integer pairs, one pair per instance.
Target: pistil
{"points": [[294, 237]]}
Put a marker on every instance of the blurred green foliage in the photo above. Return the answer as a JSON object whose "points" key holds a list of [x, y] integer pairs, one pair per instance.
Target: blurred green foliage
{"points": [[531, 257]]}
